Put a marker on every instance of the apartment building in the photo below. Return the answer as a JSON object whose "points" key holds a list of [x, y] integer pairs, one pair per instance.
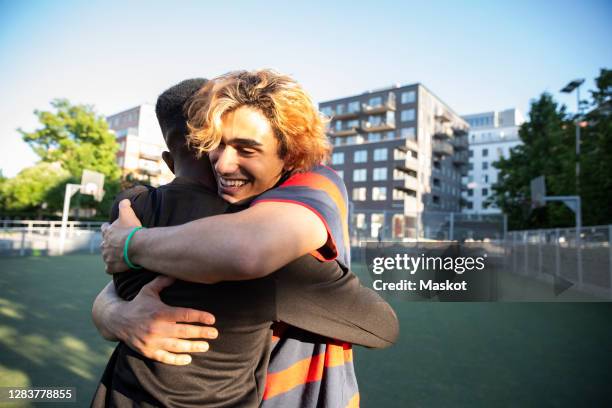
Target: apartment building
{"points": [[140, 144], [492, 135], [401, 152]]}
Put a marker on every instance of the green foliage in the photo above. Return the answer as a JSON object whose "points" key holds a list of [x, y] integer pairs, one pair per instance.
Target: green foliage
{"points": [[76, 138], [33, 186], [549, 149]]}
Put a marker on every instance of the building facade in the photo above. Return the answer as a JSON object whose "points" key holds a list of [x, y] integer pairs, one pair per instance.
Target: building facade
{"points": [[401, 152], [140, 145], [492, 135]]}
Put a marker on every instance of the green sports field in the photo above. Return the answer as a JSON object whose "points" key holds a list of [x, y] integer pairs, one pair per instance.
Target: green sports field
{"points": [[449, 354]]}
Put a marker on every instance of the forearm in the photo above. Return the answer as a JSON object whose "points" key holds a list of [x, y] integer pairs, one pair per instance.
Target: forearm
{"points": [[105, 313], [224, 247]]}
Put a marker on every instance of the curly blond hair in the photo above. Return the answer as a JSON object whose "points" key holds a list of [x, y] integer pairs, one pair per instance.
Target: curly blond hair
{"points": [[296, 122]]}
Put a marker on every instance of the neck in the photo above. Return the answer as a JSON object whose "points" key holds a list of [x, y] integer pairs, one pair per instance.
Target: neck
{"points": [[197, 171]]}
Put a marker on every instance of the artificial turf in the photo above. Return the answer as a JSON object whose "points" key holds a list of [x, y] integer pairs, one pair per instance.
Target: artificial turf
{"points": [[449, 354]]}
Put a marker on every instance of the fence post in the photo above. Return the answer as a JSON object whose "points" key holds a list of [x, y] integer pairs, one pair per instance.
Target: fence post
{"points": [[526, 241], [557, 254], [540, 252], [22, 249]]}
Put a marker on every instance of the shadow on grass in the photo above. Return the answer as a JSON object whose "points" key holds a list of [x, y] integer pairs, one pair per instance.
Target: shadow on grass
{"points": [[46, 335]]}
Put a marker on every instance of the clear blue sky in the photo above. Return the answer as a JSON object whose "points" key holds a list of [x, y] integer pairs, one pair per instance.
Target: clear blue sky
{"points": [[475, 55]]}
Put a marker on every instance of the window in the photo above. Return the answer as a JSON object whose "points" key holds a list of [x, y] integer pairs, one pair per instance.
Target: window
{"points": [[399, 154], [408, 96], [470, 192], [374, 137], [469, 205], [327, 111], [338, 125], [486, 178], [380, 173], [435, 199], [398, 174], [407, 115], [407, 133], [360, 220], [485, 152], [470, 153], [360, 193], [360, 175], [379, 193], [470, 166], [375, 101], [485, 192], [338, 141], [338, 158], [340, 109], [360, 156], [353, 107], [340, 173], [390, 135], [380, 154], [377, 225], [398, 194], [436, 182], [375, 120], [437, 165], [485, 165], [352, 123]]}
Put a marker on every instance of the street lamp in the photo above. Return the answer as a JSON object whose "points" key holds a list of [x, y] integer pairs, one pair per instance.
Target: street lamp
{"points": [[569, 88]]}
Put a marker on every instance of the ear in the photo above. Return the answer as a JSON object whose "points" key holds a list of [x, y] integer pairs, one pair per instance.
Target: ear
{"points": [[167, 156]]}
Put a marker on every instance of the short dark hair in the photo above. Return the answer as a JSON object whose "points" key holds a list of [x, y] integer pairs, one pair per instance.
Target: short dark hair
{"points": [[170, 110]]}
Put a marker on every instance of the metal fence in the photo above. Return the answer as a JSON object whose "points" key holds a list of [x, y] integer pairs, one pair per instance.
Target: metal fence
{"points": [[32, 237], [584, 260]]}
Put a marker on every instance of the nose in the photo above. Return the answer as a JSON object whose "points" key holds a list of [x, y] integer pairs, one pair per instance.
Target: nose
{"points": [[225, 160]]}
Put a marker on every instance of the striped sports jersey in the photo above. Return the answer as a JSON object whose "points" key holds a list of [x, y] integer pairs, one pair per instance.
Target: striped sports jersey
{"points": [[308, 370]]}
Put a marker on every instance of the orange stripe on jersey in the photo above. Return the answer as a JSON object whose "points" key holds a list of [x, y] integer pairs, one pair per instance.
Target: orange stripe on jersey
{"points": [[354, 402], [320, 182], [307, 370], [302, 372], [337, 355]]}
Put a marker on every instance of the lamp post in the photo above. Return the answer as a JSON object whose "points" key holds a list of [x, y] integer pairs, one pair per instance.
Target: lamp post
{"points": [[569, 88]]}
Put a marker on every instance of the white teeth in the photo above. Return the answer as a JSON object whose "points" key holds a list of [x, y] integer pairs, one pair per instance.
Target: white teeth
{"points": [[231, 183]]}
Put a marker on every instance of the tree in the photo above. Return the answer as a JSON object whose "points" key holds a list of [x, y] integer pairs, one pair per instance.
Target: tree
{"points": [[77, 138], [34, 186], [548, 149], [596, 155]]}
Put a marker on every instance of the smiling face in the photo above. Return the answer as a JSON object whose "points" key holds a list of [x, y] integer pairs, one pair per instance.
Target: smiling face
{"points": [[246, 162]]}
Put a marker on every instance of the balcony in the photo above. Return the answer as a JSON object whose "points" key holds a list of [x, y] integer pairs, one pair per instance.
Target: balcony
{"points": [[353, 113], [460, 142], [443, 116], [149, 156], [386, 105], [353, 130], [410, 183], [377, 127], [443, 132], [460, 131], [442, 148], [408, 164], [460, 158], [150, 171]]}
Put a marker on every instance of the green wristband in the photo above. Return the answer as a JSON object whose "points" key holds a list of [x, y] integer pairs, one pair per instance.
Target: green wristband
{"points": [[125, 249]]}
